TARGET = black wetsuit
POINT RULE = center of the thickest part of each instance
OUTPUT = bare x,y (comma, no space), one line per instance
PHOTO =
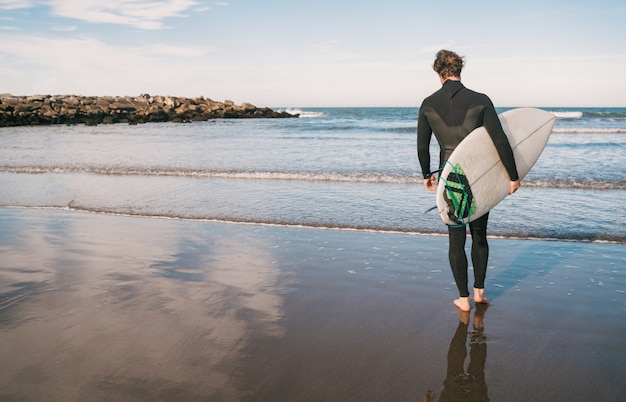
452,113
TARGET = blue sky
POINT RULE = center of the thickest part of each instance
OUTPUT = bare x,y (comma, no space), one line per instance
321,53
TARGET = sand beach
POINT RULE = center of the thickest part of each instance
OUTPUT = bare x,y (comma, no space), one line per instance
103,307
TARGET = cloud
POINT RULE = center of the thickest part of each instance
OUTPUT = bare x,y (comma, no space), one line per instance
7,27
142,14
63,54
33,64
68,28
173,51
15,4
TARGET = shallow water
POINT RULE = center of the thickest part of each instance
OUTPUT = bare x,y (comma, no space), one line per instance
333,167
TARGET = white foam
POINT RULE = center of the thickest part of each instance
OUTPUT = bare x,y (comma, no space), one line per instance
587,130
221,174
568,115
303,113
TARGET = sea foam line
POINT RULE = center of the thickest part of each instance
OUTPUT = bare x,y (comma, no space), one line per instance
221,174
588,130
336,177
71,207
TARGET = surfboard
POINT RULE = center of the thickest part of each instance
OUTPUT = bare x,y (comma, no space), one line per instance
474,180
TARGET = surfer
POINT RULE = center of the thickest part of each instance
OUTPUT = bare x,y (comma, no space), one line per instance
451,113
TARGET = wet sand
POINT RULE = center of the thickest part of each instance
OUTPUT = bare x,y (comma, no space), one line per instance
96,307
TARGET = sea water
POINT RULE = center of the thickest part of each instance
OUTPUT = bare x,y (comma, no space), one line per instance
339,168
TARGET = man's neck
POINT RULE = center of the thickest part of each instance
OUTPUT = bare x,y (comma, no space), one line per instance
451,78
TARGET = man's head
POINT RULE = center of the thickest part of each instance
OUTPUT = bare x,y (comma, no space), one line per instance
448,64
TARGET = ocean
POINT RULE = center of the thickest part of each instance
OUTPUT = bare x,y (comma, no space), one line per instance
335,168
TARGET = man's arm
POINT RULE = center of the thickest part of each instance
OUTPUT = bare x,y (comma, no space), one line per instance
501,142
424,134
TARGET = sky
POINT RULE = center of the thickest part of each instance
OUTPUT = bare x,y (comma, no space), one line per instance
319,53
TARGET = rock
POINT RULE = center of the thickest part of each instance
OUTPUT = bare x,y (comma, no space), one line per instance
92,110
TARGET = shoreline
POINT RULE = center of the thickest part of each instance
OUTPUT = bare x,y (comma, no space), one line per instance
103,307
311,227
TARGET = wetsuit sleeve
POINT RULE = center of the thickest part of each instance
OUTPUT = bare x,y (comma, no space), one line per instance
424,134
500,140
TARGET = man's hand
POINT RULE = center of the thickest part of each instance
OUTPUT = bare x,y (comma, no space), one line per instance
514,186
431,183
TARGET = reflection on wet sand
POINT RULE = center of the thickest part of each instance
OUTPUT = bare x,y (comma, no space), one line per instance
91,308
461,384
97,307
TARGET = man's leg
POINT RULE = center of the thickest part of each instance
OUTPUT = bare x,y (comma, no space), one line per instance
458,264
480,256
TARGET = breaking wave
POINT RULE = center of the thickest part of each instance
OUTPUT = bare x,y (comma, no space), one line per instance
319,176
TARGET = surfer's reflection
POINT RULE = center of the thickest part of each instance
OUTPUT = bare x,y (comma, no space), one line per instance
462,385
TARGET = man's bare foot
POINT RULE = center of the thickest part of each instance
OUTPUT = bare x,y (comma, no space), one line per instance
462,303
479,296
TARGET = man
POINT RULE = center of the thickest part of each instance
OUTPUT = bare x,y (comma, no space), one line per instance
451,113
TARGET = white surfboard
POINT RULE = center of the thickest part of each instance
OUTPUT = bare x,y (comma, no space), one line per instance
475,164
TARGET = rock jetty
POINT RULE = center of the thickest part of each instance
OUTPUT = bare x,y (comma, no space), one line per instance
92,110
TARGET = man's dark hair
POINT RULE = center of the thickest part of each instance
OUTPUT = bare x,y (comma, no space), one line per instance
448,64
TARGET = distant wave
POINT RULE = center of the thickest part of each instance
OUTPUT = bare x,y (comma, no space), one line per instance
411,129
575,184
588,130
350,128
607,114
568,115
590,114
320,176
304,113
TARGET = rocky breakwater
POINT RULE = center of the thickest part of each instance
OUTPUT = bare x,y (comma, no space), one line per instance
92,110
